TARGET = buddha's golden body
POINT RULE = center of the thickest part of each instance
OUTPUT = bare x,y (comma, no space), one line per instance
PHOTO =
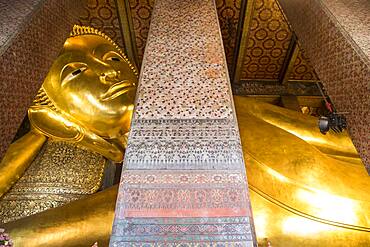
306,189
83,112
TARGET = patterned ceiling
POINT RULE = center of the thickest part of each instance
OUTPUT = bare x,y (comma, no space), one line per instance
269,56
268,47
141,11
102,15
268,42
302,69
228,14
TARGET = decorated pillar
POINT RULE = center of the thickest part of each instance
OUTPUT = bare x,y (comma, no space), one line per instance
184,181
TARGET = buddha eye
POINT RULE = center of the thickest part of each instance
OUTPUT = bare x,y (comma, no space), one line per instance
112,56
70,73
116,59
78,71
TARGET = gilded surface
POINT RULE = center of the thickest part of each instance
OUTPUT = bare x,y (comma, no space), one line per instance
16,161
34,31
61,172
88,94
302,193
84,107
307,189
79,223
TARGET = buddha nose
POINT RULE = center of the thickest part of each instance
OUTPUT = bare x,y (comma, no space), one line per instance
109,76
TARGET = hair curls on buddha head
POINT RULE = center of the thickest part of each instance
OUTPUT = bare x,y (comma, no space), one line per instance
42,98
84,30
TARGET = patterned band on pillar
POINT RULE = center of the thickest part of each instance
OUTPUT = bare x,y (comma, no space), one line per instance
184,182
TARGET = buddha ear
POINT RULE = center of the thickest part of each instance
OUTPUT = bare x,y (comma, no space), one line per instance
53,124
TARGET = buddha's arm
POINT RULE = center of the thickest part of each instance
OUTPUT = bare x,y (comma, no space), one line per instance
79,223
302,126
18,157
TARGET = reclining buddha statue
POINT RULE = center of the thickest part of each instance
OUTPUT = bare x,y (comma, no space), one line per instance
83,112
306,189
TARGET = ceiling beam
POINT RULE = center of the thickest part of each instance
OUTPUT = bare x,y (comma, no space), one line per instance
127,30
276,82
259,81
289,60
245,18
251,87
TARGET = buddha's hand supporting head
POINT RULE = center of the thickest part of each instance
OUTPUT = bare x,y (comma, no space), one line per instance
89,90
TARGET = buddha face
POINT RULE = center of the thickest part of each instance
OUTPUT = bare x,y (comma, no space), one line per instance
91,82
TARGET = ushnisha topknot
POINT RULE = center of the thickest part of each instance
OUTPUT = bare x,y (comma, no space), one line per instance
85,30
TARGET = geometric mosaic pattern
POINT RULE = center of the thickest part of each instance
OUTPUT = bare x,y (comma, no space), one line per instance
141,11
228,16
102,15
189,193
302,68
196,140
184,182
43,185
269,38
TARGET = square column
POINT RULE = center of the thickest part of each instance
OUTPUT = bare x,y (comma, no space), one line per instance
184,181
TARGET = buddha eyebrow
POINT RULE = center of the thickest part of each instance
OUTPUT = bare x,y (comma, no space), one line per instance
67,55
72,56
105,48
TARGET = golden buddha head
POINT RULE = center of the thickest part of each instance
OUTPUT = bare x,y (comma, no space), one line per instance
90,88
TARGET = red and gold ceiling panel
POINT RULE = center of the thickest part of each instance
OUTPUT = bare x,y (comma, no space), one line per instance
228,15
302,69
141,11
102,15
268,42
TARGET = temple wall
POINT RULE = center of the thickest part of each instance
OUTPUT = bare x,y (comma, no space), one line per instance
31,36
335,35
